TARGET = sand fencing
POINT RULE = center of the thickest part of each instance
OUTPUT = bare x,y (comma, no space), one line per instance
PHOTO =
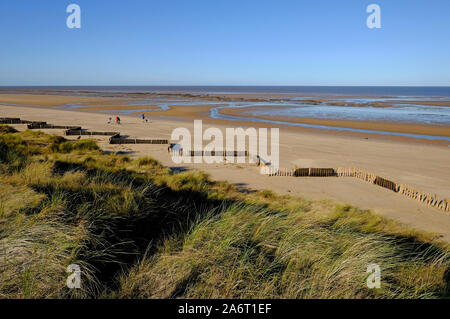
115,137
34,124
79,131
118,140
15,120
37,125
176,150
432,200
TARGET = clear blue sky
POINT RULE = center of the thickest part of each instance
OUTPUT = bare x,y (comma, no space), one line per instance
225,42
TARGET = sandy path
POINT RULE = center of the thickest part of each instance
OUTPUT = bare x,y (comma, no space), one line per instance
426,167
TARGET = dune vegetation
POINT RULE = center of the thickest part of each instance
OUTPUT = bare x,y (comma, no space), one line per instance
140,230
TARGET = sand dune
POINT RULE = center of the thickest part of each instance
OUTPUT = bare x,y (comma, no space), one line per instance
424,166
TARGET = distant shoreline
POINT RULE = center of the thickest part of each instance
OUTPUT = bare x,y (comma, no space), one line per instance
221,89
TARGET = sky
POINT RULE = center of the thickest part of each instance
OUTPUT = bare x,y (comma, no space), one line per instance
225,42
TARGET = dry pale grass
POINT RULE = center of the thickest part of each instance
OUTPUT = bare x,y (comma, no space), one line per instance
139,230
247,253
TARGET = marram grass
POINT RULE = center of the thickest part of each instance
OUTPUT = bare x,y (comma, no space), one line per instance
139,230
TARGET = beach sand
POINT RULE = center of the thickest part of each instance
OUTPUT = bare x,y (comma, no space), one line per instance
422,165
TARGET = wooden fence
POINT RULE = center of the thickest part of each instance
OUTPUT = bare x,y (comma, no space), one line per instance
10,120
118,140
301,172
322,172
84,132
34,124
15,120
181,152
44,125
429,199
77,131
380,181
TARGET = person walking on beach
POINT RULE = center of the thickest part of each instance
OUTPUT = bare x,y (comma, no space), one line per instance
143,117
117,120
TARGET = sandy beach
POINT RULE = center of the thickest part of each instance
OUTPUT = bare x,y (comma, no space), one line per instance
421,165
199,106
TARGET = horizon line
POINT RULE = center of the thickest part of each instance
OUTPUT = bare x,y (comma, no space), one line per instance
209,85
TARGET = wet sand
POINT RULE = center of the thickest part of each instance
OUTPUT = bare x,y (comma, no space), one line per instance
122,101
435,130
423,166
54,100
339,100
202,112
